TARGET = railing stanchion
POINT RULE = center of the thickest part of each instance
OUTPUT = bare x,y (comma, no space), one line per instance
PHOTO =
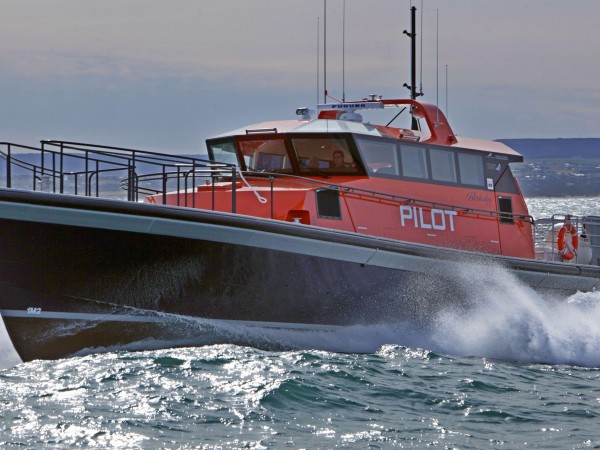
129,181
87,186
134,192
61,165
53,172
271,185
132,182
97,180
42,164
178,184
193,184
233,190
164,186
212,189
8,168
185,188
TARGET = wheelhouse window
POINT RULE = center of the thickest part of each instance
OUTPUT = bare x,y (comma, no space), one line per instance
431,164
327,154
443,167
265,155
414,162
471,169
223,152
380,157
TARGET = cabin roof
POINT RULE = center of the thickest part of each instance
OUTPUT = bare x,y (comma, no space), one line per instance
486,146
307,126
281,126
344,126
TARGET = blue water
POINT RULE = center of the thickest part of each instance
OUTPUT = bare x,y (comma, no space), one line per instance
516,370
239,397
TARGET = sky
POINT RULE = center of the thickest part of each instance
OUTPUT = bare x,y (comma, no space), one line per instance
164,75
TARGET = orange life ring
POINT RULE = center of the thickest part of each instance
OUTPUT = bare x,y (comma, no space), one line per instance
567,250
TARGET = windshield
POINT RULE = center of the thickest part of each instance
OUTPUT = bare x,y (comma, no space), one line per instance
266,155
324,155
310,154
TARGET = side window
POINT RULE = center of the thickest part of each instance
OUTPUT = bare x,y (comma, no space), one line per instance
506,183
443,167
223,152
414,162
471,169
328,204
380,157
265,154
505,208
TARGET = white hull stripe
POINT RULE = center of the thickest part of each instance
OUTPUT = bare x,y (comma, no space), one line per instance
80,316
166,319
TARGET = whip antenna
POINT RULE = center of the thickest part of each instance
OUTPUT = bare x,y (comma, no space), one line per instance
437,64
447,92
318,56
344,52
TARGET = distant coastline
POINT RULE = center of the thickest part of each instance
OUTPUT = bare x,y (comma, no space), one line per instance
557,167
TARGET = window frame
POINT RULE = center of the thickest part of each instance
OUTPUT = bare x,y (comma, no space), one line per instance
396,155
481,167
217,141
454,155
351,147
425,150
262,137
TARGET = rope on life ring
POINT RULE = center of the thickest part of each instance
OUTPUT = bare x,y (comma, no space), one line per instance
567,248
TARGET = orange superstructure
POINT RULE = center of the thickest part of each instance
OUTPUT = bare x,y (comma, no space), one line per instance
337,172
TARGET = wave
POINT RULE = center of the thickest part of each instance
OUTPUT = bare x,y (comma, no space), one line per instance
502,318
508,320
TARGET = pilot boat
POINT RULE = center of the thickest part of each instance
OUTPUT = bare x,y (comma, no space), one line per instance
316,223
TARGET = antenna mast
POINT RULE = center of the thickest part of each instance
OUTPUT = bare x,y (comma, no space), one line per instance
413,62
421,53
324,51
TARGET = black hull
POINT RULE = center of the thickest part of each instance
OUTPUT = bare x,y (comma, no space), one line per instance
80,274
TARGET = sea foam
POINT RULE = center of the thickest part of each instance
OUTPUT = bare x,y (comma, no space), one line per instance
508,320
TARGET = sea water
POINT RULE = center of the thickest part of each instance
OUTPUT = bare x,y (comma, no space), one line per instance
516,370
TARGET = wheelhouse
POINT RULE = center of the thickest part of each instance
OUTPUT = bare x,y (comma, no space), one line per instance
314,151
